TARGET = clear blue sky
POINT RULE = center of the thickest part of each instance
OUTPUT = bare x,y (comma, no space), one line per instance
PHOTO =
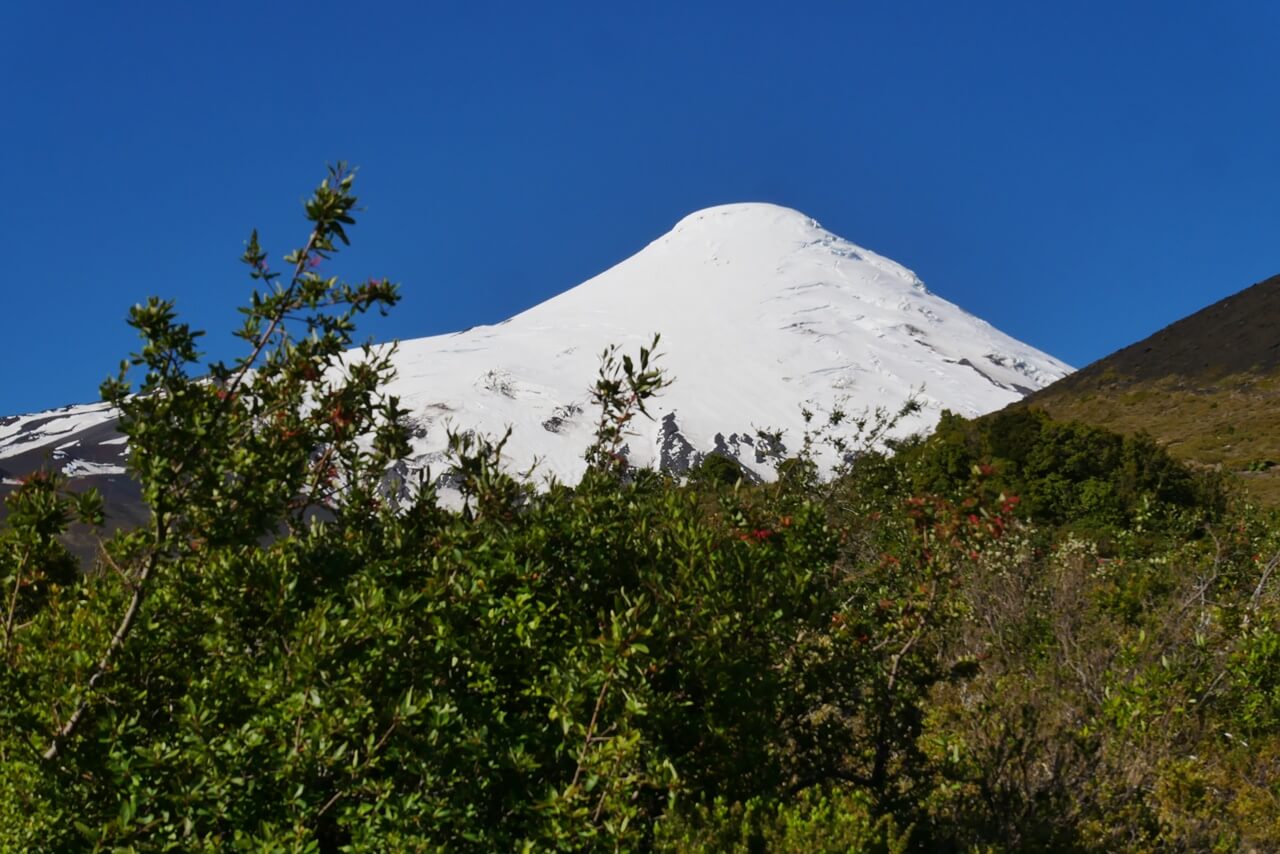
1079,174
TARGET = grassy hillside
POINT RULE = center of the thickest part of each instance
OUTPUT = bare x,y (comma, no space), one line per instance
1208,387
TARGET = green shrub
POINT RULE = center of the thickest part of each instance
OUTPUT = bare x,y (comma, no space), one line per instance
717,470
813,821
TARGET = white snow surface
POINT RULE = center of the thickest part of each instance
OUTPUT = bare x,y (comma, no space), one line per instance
52,427
762,313
80,468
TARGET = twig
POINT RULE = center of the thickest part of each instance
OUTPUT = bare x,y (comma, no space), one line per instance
1253,606
117,640
265,337
395,722
591,728
1262,582
897,659
1212,685
604,792
13,604
124,576
911,641
307,499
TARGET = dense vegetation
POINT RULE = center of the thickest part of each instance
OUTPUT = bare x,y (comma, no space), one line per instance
1014,634
1218,422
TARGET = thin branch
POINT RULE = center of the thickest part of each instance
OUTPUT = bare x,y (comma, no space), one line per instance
308,498
604,791
915,636
1212,686
13,604
265,337
1071,649
591,728
124,576
337,796
897,659
117,641
1262,582
1253,606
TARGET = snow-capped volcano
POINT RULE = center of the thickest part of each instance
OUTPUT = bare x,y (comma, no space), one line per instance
762,313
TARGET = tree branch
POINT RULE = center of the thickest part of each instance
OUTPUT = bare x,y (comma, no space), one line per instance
265,337
13,605
117,640
591,728
1262,582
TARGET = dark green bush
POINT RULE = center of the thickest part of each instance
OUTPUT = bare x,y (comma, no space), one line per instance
813,821
717,470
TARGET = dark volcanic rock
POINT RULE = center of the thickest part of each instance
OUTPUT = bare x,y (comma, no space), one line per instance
769,447
675,454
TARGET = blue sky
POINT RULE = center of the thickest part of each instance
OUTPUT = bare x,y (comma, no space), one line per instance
1079,174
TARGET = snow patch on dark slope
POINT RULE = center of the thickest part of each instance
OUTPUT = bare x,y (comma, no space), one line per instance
762,313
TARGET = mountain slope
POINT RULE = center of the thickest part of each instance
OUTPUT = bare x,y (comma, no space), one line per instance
1208,386
762,313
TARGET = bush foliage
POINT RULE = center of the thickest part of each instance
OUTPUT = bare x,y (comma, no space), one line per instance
1012,635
